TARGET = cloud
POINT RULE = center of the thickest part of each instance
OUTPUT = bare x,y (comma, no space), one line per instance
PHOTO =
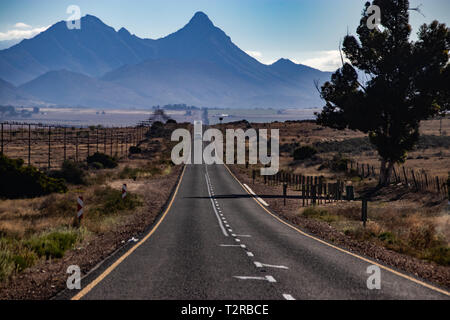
21,32
254,54
324,60
21,25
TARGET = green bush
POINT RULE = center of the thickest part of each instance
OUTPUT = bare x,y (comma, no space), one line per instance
129,173
440,255
71,172
18,181
304,153
112,202
339,163
97,165
388,237
24,260
135,150
53,244
7,265
104,159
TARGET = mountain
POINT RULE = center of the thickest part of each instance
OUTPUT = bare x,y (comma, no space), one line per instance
64,87
94,49
11,95
198,64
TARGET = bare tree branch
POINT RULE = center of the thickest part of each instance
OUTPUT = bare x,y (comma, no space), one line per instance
417,9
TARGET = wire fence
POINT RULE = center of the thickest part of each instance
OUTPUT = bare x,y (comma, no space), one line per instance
47,146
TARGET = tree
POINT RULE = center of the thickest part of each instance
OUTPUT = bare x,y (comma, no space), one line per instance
407,82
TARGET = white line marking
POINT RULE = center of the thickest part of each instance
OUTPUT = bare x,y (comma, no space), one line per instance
230,245
267,278
243,246
237,240
260,265
250,254
288,296
231,230
215,211
233,235
244,235
254,194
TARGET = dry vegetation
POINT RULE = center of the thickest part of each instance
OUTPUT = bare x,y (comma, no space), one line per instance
401,220
38,230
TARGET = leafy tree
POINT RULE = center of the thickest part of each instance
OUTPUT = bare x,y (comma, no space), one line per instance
19,181
407,82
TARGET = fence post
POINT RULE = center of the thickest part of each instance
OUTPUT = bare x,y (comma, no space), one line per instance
303,194
414,180
104,140
314,194
49,145
88,143
111,142
29,144
364,212
76,145
65,146
395,174
97,140
1,150
350,195
438,187
404,174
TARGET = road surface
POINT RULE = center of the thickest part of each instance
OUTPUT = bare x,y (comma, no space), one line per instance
216,241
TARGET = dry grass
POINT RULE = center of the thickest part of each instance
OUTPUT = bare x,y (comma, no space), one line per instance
50,221
403,226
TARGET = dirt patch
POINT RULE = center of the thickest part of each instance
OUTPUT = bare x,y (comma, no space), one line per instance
423,269
47,278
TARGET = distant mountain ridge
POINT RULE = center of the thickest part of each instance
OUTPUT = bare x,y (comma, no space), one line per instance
97,66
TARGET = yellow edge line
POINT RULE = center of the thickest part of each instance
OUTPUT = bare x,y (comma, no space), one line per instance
105,273
340,249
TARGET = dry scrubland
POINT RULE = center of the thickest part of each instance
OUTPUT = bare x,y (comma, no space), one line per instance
39,235
407,229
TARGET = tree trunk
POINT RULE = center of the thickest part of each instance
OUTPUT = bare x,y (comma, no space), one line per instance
385,173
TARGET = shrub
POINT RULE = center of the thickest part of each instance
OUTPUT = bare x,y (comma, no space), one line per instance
71,172
422,237
104,159
304,153
97,165
135,150
112,202
439,254
129,173
24,260
53,244
387,237
25,182
339,163
6,264
58,206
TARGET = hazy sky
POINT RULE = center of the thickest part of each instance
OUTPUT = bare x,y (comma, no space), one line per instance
306,31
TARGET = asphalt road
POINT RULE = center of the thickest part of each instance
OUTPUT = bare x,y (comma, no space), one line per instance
217,242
